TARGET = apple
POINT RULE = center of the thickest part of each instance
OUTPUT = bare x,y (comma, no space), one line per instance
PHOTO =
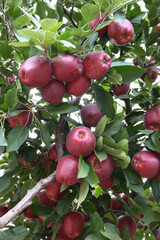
27,163
53,92
96,64
158,176
121,89
151,72
3,210
120,34
102,169
136,63
53,154
101,32
158,235
146,163
67,170
67,67
125,198
11,79
158,27
127,221
35,72
73,223
43,198
90,115
114,204
53,191
28,213
79,86
106,183
24,118
152,119
61,234
41,219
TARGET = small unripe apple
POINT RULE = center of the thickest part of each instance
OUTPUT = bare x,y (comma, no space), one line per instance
3,210
102,169
152,73
53,92
127,221
79,86
158,27
106,183
73,223
121,89
96,64
152,119
120,34
35,72
67,67
80,141
24,118
98,20
114,204
53,191
90,115
146,163
67,170
28,213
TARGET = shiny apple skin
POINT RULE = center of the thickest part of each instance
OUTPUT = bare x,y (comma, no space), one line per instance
101,32
35,72
121,89
120,34
158,27
152,119
152,73
114,204
53,191
80,141
146,163
96,64
67,67
107,183
127,221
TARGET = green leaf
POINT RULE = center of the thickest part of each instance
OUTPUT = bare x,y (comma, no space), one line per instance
21,21
153,142
111,231
99,144
40,210
113,127
155,189
17,233
29,184
67,44
12,160
83,168
94,237
11,98
45,135
16,138
62,108
101,126
104,101
96,228
83,191
63,205
134,180
33,19
92,177
48,23
101,155
31,33
89,12
5,181
149,215
3,141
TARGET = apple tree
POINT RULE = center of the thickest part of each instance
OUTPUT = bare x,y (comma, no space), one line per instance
79,119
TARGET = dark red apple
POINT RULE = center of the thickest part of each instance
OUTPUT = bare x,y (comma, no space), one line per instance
158,176
53,92
61,235
73,223
114,204
106,183
120,34
43,198
102,169
53,191
121,89
67,67
90,115
127,221
136,63
152,73
28,213
3,210
24,118
41,219
96,64
79,86
80,141
152,119
53,154
35,72
27,163
125,198
146,163
67,170
158,27
98,20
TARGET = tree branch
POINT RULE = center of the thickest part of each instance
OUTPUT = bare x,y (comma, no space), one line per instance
26,201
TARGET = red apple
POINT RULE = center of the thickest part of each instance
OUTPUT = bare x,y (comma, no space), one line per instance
102,169
53,92
158,176
152,119
73,223
106,183
96,64
61,235
136,63
43,198
53,154
35,72
98,20
127,221
90,115
28,213
67,170
41,219
114,204
3,210
120,34
53,191
152,73
125,198
27,163
79,86
158,27
67,67
146,163
121,89
24,118
80,141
